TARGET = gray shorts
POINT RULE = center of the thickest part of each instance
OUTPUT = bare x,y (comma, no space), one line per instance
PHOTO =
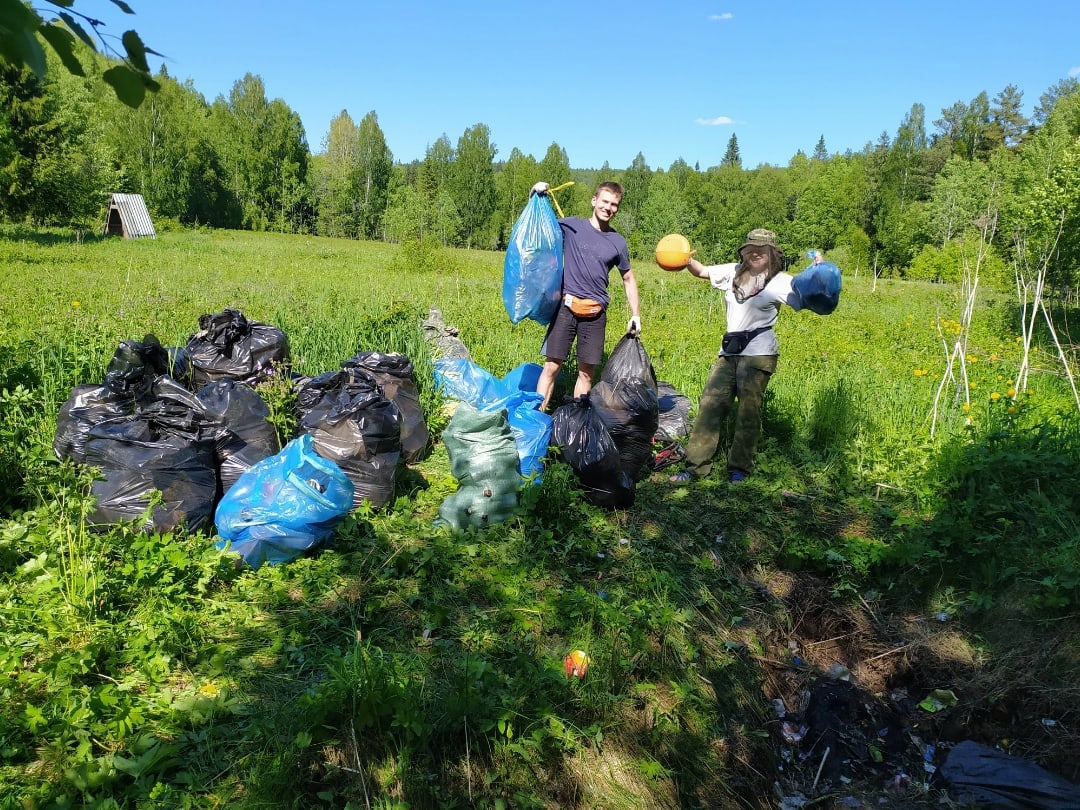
565,327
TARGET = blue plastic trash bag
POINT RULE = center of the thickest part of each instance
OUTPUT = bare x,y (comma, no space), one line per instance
462,379
284,505
819,287
532,434
533,268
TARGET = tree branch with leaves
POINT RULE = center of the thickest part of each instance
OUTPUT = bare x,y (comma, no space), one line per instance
21,25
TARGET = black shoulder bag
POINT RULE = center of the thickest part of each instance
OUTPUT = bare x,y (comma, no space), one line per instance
735,342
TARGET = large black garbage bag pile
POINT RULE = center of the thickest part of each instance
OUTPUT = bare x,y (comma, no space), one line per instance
626,400
484,460
229,346
355,425
585,444
245,435
167,444
130,377
395,373
977,775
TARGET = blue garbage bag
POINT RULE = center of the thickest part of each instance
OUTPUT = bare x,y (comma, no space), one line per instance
819,287
533,268
284,505
465,381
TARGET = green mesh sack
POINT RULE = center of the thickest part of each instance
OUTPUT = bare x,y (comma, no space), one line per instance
484,460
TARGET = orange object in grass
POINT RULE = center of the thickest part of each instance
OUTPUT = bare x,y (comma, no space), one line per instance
673,252
576,664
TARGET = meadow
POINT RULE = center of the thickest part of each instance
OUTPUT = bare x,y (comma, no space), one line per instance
928,516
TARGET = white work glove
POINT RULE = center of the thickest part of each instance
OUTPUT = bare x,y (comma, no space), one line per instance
633,326
540,188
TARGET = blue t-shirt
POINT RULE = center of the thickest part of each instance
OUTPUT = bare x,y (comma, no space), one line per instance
588,256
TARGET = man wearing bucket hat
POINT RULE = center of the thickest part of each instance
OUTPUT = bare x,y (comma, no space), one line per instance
755,288
591,248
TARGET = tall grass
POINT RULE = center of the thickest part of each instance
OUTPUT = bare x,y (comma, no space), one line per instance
412,666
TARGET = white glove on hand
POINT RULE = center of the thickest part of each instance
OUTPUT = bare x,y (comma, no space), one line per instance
633,326
540,188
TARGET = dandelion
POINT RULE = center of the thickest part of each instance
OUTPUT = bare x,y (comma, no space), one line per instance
920,372
74,304
973,385
995,396
972,358
1012,409
210,690
1000,376
965,407
1011,392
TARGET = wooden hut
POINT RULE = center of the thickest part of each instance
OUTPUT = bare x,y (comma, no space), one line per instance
127,216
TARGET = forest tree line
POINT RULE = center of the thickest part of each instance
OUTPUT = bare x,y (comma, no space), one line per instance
979,183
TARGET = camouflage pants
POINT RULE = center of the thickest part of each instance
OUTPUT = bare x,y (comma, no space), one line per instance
741,378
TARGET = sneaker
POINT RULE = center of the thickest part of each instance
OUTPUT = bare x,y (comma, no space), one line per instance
681,478
738,476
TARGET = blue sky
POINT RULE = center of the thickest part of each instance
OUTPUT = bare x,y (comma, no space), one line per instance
609,80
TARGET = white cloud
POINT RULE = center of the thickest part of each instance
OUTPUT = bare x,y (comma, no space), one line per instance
1074,71
727,15
719,121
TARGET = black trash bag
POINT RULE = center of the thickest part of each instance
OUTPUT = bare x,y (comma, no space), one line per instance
144,356
394,372
245,436
674,416
179,367
88,405
166,445
229,346
630,411
982,776
356,426
130,377
629,361
484,460
585,444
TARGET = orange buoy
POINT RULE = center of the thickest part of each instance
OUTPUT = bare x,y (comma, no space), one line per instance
673,252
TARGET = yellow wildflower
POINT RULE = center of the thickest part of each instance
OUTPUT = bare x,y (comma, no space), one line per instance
1012,409
966,407
995,395
74,304
1011,392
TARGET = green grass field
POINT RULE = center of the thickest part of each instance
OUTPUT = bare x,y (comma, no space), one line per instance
410,666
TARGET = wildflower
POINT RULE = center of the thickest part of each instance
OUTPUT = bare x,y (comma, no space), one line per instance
972,358
973,385
995,395
74,304
1012,409
966,407
1000,376
920,372
1011,392
210,690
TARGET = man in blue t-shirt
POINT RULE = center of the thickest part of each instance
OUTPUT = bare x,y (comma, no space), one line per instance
591,248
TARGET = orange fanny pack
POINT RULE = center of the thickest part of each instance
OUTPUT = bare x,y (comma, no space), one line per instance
582,307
